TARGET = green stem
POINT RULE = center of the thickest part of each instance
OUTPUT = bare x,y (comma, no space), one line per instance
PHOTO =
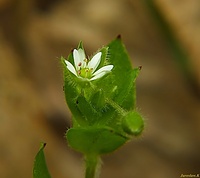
118,108
92,166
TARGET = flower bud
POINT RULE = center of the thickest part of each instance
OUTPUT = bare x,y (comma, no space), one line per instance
133,123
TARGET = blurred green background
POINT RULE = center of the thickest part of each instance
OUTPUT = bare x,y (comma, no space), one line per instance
161,36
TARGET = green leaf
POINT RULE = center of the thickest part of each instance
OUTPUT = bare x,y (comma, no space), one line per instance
40,169
127,97
94,140
116,86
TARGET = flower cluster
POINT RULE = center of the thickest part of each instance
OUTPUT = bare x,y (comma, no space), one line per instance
86,69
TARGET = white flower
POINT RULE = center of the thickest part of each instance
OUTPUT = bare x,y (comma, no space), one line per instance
86,69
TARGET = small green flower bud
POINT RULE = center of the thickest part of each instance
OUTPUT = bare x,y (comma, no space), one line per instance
133,123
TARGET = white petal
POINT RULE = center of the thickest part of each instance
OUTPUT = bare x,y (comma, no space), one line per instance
95,61
79,56
71,68
82,57
106,69
98,76
77,59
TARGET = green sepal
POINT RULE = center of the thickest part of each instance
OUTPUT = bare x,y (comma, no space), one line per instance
87,110
98,99
40,169
104,57
71,95
95,140
80,45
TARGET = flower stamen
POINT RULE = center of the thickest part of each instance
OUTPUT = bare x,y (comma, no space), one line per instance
86,60
85,68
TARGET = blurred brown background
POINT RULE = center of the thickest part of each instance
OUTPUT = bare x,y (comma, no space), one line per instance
161,35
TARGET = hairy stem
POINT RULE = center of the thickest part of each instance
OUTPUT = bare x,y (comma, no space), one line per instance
118,108
92,163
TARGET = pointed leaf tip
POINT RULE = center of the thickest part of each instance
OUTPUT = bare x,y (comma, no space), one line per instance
80,45
43,144
40,169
